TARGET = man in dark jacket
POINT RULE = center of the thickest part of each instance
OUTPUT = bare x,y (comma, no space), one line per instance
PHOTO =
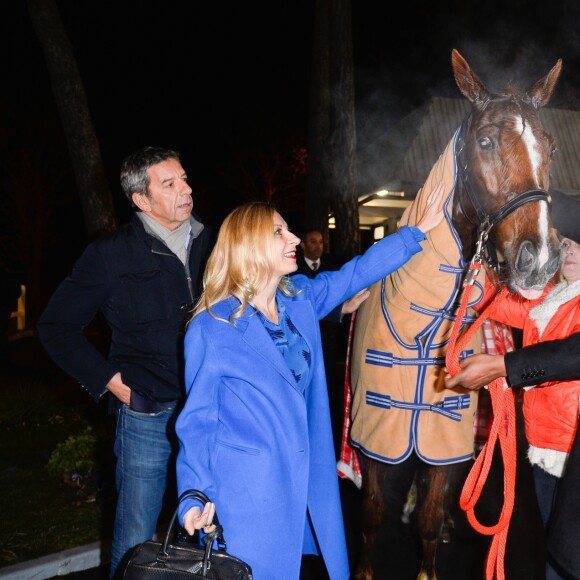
564,528
144,279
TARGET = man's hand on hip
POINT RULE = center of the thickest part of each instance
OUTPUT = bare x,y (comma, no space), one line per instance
120,389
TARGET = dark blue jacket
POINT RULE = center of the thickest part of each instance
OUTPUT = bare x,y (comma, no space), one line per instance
145,294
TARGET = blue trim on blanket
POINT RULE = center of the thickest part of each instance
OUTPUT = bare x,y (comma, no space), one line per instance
449,206
423,344
441,314
407,454
446,407
451,269
387,359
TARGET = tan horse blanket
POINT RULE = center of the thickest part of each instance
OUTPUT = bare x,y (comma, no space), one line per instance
399,402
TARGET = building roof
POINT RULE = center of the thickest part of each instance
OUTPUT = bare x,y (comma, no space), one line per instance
402,158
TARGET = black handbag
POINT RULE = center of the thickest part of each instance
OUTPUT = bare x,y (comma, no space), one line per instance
154,560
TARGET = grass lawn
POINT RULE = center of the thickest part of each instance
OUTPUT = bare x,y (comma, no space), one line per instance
41,513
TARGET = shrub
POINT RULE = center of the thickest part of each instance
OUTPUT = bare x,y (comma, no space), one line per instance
75,460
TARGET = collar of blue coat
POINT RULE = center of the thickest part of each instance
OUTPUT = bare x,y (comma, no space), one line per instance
227,307
257,337
300,311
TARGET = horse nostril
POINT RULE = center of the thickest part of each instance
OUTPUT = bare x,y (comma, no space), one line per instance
526,257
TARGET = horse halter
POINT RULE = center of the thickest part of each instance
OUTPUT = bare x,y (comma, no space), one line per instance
488,220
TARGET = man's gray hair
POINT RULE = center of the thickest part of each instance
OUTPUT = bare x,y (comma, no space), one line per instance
134,176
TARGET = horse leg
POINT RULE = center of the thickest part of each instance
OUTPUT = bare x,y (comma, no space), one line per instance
432,513
373,511
440,488
384,491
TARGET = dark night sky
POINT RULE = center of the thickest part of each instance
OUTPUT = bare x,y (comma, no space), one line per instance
213,78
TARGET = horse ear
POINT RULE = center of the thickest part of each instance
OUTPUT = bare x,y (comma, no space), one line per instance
468,82
542,91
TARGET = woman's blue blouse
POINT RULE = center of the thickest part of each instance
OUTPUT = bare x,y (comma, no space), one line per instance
291,345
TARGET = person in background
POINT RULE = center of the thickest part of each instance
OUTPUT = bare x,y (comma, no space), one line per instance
255,433
144,279
312,258
311,261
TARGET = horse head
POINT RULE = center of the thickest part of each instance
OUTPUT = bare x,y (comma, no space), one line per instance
504,155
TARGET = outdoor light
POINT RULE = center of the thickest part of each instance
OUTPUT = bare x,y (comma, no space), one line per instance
384,192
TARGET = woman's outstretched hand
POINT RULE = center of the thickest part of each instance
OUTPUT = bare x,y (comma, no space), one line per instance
433,209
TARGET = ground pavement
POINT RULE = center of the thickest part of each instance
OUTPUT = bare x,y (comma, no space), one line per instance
397,559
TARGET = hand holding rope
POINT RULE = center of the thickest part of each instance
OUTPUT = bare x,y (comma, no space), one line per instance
503,427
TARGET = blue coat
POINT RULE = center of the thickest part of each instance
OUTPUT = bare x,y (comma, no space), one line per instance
253,442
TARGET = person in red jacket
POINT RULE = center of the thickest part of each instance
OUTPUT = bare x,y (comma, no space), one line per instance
550,412
547,360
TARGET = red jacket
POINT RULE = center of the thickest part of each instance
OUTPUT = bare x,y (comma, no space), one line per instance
550,409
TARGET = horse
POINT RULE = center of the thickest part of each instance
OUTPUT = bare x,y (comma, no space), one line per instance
408,429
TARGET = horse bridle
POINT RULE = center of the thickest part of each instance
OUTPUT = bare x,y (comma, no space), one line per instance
488,220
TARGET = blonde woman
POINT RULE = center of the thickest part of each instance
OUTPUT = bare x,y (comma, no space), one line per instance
255,433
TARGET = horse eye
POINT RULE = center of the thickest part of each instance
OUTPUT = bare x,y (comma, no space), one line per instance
485,143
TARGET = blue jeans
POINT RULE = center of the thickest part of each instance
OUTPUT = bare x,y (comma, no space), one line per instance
143,447
546,486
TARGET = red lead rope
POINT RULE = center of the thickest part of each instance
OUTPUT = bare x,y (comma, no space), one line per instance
503,426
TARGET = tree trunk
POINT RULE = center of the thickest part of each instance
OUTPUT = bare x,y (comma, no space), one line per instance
94,190
318,176
332,129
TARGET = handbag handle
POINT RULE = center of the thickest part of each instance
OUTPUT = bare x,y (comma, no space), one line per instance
208,538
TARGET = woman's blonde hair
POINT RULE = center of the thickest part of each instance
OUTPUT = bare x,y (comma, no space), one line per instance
242,259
